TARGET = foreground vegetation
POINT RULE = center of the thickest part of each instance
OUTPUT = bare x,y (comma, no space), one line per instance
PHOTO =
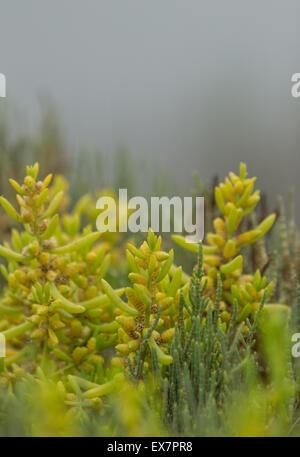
108,336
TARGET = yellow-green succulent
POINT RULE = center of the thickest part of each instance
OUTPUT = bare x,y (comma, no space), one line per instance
235,199
53,296
147,319
167,353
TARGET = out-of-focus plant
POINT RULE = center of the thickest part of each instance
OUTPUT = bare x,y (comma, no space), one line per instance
38,407
284,262
266,408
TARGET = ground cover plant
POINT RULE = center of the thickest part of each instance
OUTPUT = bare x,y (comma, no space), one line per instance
107,336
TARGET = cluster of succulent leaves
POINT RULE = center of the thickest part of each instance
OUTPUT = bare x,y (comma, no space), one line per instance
53,311
167,354
236,200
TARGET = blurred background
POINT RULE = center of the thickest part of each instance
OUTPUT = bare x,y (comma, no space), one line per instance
141,94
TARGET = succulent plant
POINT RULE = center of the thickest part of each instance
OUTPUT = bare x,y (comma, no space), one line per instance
221,255
180,354
146,321
53,297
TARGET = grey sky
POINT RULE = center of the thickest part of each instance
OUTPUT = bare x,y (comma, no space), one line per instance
195,84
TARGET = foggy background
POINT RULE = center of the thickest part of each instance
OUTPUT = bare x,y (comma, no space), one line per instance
189,85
